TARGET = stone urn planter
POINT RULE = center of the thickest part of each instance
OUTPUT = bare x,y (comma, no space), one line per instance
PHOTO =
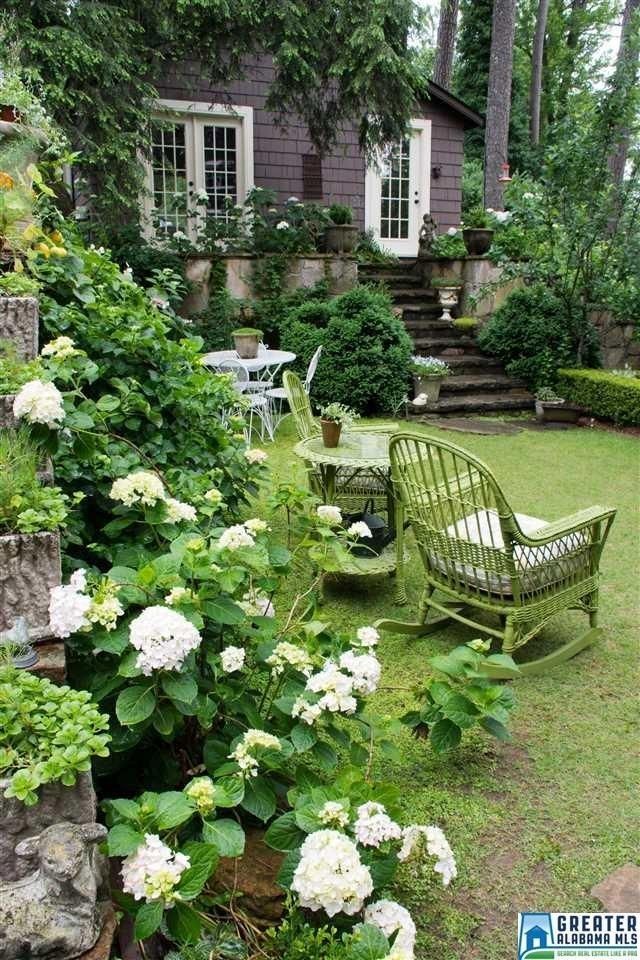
448,298
477,240
557,411
29,568
247,342
19,324
331,430
340,238
426,388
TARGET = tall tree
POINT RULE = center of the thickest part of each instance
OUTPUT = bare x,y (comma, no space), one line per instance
625,75
503,26
446,42
535,89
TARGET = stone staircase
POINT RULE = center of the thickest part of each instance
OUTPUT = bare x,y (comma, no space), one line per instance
478,383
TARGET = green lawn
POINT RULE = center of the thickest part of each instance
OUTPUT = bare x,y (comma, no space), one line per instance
535,823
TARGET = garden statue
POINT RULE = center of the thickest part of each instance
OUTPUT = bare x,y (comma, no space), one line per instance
53,913
428,233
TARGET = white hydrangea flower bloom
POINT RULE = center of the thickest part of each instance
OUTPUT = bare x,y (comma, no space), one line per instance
288,654
252,740
164,638
292,200
282,225
329,514
106,611
365,669
179,235
480,646
437,845
330,875
142,486
153,871
391,918
336,687
334,814
69,606
61,348
359,529
178,595
178,511
232,658
235,537
202,196
307,712
374,825
255,455
213,496
256,603
451,232
368,636
201,791
39,402
256,525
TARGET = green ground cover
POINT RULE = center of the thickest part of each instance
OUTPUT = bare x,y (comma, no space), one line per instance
537,822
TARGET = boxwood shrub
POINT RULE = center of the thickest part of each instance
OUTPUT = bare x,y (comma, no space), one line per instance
603,394
366,349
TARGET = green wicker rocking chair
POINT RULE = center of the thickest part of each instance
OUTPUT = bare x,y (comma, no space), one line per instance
352,491
480,556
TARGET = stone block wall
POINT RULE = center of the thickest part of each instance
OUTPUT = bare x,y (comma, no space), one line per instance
483,290
619,347
19,324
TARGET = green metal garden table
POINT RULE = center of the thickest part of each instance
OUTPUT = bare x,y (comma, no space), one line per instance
360,452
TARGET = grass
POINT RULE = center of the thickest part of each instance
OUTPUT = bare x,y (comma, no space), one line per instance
537,822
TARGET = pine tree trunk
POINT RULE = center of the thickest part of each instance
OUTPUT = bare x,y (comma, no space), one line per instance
446,42
535,90
503,25
626,72
573,34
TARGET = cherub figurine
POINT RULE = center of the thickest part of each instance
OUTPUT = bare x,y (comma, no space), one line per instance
427,234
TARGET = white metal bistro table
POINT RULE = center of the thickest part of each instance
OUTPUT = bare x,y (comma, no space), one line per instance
266,365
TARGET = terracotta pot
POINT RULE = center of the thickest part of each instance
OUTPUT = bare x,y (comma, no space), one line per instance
557,411
477,240
340,238
9,114
429,385
246,346
330,432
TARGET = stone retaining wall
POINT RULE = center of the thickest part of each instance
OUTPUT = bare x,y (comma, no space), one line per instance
474,273
19,324
619,348
341,274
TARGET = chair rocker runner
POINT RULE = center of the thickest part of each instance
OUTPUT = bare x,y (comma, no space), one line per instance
483,557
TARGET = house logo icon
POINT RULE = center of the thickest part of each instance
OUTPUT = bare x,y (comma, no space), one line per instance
535,933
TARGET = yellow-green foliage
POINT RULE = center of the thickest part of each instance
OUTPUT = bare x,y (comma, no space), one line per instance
603,393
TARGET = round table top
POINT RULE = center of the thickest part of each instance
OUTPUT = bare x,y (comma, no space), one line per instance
357,448
266,358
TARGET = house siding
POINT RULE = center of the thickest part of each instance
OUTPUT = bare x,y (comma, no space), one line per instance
278,154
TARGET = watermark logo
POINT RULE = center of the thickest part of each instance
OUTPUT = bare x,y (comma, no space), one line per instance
580,936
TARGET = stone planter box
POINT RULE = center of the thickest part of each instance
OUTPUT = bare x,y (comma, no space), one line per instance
57,803
7,419
19,323
554,411
340,238
29,568
340,273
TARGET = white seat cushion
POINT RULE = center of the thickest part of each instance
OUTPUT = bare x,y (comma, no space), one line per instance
483,527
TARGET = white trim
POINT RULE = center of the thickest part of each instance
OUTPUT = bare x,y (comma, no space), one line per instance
420,191
194,113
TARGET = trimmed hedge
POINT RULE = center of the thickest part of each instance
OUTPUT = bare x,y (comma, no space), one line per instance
603,394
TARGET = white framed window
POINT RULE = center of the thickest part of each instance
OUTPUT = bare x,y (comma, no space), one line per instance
196,148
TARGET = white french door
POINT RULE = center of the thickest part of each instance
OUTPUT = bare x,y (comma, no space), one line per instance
397,191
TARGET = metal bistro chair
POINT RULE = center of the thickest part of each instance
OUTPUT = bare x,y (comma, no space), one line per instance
479,554
257,403
278,395
353,491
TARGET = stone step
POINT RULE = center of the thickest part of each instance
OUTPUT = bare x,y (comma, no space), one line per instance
483,402
398,279
470,364
422,326
479,383
416,311
401,295
427,345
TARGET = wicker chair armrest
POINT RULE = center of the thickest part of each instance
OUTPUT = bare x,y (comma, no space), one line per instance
567,525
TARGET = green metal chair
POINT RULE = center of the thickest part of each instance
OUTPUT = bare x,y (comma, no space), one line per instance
354,490
484,558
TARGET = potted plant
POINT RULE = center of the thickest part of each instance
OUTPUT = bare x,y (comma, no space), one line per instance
30,517
45,761
428,374
466,324
247,342
448,290
333,418
477,232
550,408
340,235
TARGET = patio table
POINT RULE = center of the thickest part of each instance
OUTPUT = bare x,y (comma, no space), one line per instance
361,451
266,364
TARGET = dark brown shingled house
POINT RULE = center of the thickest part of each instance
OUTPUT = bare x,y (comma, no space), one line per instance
223,141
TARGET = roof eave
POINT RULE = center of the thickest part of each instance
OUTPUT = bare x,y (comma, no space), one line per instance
471,117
